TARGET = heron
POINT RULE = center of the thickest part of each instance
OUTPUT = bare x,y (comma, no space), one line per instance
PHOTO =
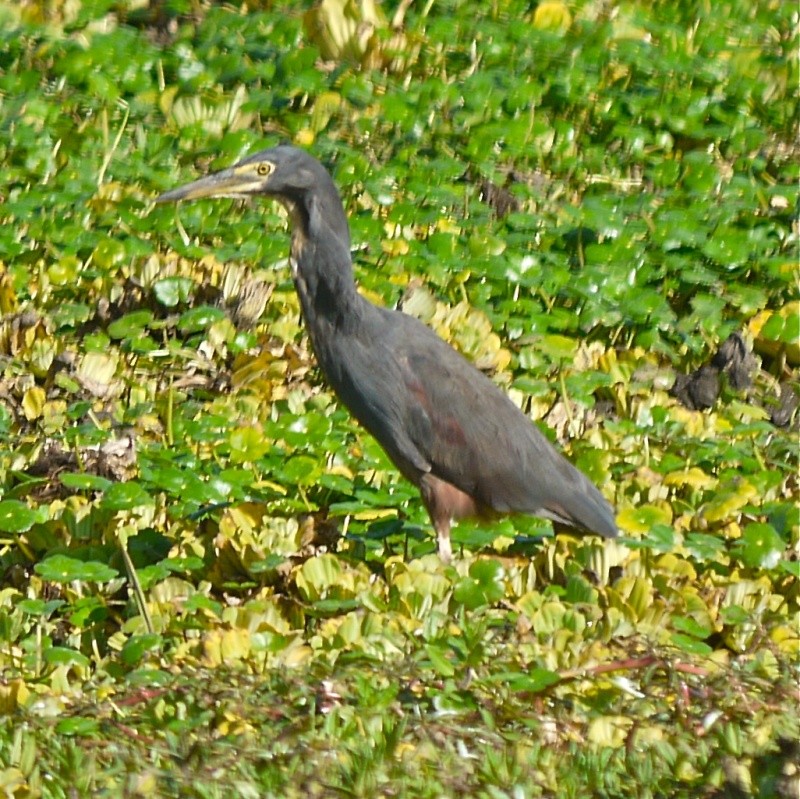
445,425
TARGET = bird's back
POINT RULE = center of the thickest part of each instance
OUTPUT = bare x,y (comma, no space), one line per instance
434,412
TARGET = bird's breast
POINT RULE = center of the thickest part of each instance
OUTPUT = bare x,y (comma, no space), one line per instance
298,246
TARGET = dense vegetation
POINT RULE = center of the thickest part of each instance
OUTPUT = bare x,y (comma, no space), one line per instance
213,583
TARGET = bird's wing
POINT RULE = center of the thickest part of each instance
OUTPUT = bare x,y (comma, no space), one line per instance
473,436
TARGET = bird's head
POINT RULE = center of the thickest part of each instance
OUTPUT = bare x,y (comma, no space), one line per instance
283,173
295,179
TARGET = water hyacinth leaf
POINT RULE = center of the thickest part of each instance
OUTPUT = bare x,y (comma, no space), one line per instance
438,655
64,656
705,547
84,482
484,586
791,567
33,402
137,646
38,607
197,319
534,681
64,569
172,291
16,516
690,645
247,444
644,518
317,575
760,546
268,564
125,496
131,325
109,253
78,726
301,470
557,348
688,625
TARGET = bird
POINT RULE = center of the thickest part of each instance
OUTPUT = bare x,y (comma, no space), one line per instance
444,424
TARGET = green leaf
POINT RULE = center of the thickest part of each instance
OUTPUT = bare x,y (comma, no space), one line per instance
137,646
438,656
644,518
484,585
533,681
38,607
78,726
64,569
87,610
196,319
301,470
557,348
690,645
84,482
760,547
705,547
661,538
125,496
172,291
269,564
248,444
686,624
16,517
63,656
791,567
131,325
318,574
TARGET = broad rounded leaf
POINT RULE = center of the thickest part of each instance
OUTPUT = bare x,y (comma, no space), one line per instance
84,482
248,444
643,518
124,496
173,290
130,325
760,547
197,319
64,569
16,516
64,656
138,646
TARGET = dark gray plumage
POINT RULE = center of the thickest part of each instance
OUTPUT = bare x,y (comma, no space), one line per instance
445,425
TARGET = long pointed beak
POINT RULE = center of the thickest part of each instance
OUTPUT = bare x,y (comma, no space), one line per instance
227,183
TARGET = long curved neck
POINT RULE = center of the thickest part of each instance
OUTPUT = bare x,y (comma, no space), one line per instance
322,268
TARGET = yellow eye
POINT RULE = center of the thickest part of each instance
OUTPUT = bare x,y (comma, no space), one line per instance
264,168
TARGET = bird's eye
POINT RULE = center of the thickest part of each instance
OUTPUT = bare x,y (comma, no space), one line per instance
264,169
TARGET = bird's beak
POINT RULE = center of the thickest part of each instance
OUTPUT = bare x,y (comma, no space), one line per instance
233,182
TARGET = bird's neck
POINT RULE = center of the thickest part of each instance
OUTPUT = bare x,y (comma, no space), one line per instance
323,277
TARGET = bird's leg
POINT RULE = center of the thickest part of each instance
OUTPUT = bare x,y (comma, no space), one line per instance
442,527
444,502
